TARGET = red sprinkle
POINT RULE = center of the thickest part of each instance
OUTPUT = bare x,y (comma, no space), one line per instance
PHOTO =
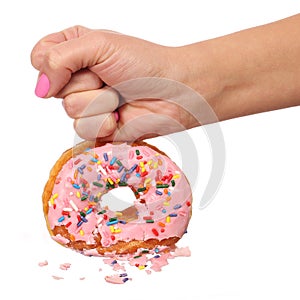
162,230
188,203
112,237
65,213
155,232
69,224
77,161
143,174
139,157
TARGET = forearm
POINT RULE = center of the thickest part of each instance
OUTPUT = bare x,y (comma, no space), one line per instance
251,71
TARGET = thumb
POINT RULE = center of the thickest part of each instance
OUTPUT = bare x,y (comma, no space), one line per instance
62,60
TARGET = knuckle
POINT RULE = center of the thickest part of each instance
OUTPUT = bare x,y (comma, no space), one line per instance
108,126
53,58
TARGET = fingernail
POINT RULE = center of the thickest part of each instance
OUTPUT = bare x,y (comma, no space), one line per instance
117,116
42,86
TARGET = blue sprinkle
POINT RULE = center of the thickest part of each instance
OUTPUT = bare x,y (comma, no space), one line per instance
113,160
112,222
61,219
169,193
105,156
156,256
99,177
80,170
138,175
79,223
158,192
85,193
114,262
173,215
156,250
123,177
76,186
164,211
91,197
89,211
93,159
122,222
120,169
177,206
125,279
84,219
82,166
123,275
132,168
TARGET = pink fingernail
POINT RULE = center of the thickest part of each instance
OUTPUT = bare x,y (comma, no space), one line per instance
42,86
117,116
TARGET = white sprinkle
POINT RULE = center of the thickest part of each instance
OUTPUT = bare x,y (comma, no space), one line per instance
100,169
73,205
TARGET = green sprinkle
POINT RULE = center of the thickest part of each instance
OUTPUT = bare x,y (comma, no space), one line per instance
102,212
82,214
137,151
138,256
162,186
141,189
145,251
113,219
149,221
173,182
97,184
119,163
122,183
84,198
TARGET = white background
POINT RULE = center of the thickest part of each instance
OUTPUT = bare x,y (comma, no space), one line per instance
245,244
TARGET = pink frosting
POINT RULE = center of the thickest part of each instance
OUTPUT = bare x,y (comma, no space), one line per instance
162,206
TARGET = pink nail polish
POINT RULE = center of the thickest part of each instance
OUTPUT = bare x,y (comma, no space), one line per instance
117,116
42,86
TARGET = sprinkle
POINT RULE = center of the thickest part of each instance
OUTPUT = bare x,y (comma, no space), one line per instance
132,168
97,184
105,156
84,219
137,151
100,168
155,232
78,195
110,181
119,163
173,215
161,224
122,222
102,212
121,183
150,221
77,161
139,157
61,219
79,223
113,160
81,232
188,203
158,192
120,169
123,177
164,211
168,219
68,224
162,186
177,206
76,186
176,176
173,182
89,211
54,196
99,177
141,189
83,198
73,205
112,222
125,279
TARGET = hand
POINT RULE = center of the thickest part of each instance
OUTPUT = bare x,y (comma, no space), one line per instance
113,85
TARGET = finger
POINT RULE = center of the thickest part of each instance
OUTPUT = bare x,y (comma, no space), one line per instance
64,59
90,128
91,103
47,42
80,81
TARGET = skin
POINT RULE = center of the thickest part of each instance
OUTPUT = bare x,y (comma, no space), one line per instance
243,73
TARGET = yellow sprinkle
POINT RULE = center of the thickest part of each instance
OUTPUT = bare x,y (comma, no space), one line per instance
166,203
99,162
168,219
150,162
81,232
112,229
117,230
156,154
141,267
143,169
99,194
78,194
51,201
142,164
147,180
118,214
118,180
55,196
155,165
75,174
175,176
110,181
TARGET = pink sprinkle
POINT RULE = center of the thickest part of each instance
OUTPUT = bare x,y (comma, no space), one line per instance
65,266
57,277
43,263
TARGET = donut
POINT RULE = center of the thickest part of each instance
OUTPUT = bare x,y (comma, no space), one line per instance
78,218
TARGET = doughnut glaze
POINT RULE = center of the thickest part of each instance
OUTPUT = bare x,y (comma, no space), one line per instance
77,217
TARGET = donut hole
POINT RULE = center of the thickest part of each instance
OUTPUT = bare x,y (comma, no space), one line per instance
122,200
